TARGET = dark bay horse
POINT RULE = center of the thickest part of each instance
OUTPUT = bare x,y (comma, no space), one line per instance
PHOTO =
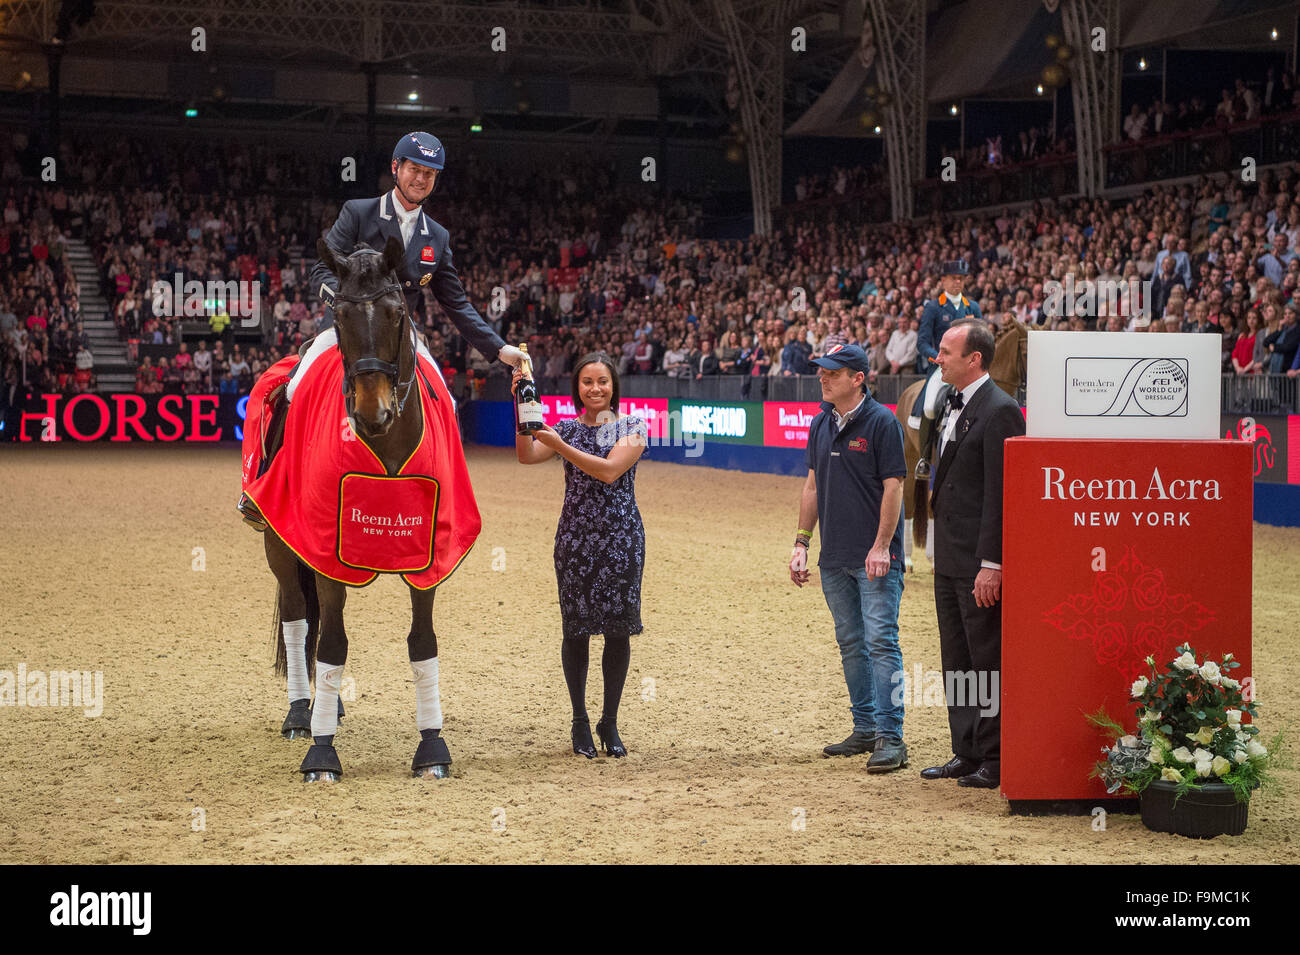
377,344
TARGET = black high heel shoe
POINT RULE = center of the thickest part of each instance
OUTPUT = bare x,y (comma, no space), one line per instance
607,730
583,745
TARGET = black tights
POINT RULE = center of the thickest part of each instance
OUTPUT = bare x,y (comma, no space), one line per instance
613,666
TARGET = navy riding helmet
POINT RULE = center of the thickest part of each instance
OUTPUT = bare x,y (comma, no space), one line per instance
421,148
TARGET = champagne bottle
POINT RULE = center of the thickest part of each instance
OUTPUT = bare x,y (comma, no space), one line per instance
528,408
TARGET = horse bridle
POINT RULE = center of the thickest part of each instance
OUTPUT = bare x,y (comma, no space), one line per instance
372,363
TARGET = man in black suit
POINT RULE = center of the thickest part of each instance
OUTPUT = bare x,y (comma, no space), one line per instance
967,503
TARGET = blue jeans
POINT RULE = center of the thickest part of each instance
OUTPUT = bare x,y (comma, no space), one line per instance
866,628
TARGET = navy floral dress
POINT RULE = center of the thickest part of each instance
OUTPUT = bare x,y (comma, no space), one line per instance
600,543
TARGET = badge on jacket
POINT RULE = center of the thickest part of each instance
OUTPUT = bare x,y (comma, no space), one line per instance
424,279
858,444
426,254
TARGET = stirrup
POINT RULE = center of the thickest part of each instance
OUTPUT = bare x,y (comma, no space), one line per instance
251,515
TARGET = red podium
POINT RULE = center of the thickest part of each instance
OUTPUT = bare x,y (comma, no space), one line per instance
1113,550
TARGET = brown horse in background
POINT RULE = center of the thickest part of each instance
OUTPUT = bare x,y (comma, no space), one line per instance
1009,371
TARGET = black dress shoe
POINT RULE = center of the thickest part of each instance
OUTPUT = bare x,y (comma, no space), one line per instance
986,777
955,768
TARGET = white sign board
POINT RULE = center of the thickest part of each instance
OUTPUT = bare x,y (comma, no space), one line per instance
1123,385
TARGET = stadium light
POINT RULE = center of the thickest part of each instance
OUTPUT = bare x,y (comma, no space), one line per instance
1272,34
476,127
1040,89
1142,63
877,130
953,109
191,112
413,96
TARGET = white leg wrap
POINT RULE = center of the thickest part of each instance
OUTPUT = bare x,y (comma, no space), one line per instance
929,543
321,344
428,704
907,538
325,711
295,651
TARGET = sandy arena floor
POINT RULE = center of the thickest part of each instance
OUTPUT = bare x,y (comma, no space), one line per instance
735,687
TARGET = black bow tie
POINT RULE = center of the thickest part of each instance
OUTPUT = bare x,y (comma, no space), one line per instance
956,401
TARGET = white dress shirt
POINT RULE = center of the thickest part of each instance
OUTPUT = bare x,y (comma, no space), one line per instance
405,219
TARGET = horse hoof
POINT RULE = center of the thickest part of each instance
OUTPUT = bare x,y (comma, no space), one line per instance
432,757
298,723
907,566
321,764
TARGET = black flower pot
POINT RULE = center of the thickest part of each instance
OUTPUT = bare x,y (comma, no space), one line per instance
1202,813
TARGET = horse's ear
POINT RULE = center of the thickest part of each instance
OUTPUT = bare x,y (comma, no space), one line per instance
394,253
326,255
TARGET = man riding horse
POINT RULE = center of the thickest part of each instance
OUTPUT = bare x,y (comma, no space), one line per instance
937,318
418,160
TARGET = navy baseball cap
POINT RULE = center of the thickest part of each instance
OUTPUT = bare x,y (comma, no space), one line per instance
845,356
421,148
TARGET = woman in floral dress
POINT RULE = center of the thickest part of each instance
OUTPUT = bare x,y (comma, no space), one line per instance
600,542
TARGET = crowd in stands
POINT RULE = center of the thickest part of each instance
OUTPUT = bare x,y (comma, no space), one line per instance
1245,102
581,265
43,343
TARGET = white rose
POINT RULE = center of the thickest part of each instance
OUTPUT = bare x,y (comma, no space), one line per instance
1210,672
1203,735
1234,717
1151,661
1128,742
1203,768
1239,756
1229,684
1156,756
1202,755
1171,775
1139,687
1221,766
1227,657
1182,754
1255,749
1186,662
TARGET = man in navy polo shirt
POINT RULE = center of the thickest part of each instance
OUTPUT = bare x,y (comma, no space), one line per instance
855,489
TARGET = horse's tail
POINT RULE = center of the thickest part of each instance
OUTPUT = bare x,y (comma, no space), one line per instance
920,510
307,581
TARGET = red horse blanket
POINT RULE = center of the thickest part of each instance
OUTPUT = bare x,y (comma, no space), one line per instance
328,497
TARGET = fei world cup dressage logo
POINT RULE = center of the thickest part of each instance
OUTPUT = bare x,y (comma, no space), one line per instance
1126,387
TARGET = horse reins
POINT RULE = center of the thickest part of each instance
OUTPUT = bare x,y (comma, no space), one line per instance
372,363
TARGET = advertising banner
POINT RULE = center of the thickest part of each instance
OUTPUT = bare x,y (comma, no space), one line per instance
1112,551
722,422
785,423
128,417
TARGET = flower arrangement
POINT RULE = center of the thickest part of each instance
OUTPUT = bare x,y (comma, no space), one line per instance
1190,731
